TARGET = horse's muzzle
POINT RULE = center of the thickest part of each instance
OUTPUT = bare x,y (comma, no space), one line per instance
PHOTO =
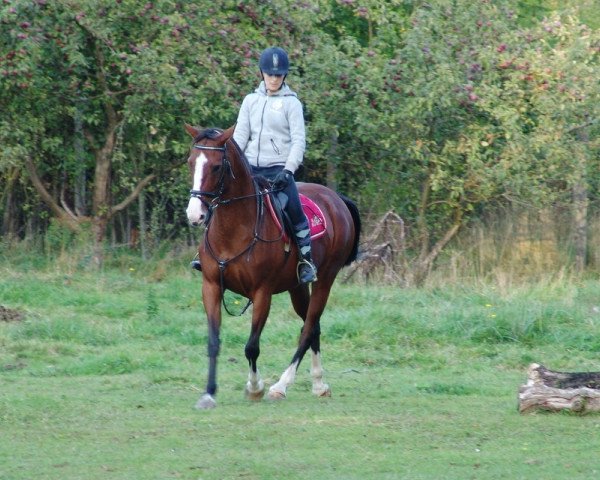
196,211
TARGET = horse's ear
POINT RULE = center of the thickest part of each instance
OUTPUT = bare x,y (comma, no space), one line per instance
192,131
228,133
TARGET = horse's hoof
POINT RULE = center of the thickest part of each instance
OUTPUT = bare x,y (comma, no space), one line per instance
254,396
206,402
323,392
276,395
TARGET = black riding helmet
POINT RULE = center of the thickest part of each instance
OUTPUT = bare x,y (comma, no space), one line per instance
274,61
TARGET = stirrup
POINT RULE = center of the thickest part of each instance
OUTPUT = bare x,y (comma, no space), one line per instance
306,275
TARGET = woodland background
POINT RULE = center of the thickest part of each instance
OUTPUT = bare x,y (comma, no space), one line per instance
466,131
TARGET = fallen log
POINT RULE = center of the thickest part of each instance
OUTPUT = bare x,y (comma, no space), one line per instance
545,389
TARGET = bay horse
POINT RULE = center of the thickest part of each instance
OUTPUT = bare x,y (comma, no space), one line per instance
244,250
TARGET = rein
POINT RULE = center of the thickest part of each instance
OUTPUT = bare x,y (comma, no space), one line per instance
215,202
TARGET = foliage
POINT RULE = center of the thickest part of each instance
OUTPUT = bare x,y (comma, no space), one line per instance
436,110
466,113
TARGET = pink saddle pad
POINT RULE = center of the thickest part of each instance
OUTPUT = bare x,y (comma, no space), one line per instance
314,215
316,219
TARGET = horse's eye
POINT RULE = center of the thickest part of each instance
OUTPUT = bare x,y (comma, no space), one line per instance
215,168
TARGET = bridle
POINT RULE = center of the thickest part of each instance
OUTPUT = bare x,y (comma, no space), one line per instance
215,195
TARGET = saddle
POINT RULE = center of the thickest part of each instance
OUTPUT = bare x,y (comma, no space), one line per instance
316,220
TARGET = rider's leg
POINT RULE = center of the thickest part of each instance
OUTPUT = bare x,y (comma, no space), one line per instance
307,272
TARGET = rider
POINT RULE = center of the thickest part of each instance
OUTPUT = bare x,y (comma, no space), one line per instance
270,131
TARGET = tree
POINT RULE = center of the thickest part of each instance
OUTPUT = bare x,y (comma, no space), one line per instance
567,95
464,115
125,76
436,110
127,71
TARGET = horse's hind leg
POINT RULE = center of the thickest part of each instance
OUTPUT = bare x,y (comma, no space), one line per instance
319,388
309,308
300,297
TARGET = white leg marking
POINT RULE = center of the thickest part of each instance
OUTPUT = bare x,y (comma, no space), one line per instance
278,391
316,370
206,402
255,387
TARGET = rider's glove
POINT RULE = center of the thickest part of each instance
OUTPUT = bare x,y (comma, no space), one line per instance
282,179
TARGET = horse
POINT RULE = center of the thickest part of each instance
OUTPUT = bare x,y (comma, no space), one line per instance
244,250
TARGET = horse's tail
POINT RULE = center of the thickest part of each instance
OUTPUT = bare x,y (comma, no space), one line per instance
357,227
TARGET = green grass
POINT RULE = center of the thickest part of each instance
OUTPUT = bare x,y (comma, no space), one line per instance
98,381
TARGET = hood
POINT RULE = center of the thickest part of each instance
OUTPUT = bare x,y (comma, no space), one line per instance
284,91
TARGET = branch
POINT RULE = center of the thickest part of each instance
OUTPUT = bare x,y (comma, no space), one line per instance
72,223
133,195
441,243
111,114
113,118
426,258
91,140
139,187
63,202
583,125
87,28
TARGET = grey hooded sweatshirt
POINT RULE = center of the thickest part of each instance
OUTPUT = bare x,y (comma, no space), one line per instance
270,128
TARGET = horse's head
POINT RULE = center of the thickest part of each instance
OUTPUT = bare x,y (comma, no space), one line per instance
209,167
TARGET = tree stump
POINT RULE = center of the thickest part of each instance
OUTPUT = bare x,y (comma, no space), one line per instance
578,392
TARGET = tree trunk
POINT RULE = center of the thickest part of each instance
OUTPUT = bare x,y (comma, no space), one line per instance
580,207
556,391
331,164
10,219
100,202
143,225
80,180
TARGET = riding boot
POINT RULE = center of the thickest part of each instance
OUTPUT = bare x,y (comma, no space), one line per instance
196,265
307,271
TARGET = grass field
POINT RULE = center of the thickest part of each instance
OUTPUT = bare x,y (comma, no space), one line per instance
99,376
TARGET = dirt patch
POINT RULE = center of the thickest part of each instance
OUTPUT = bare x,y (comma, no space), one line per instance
10,315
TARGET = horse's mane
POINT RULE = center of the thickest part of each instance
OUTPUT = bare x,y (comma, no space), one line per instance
210,133
242,156
262,182
213,133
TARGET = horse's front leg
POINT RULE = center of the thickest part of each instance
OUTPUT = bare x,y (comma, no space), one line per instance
255,387
211,297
